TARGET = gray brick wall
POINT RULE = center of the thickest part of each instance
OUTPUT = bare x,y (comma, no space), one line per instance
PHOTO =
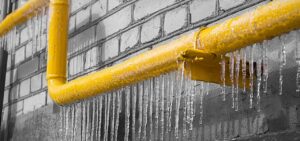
106,32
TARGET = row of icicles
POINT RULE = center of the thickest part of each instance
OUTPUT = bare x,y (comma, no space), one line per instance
35,32
165,107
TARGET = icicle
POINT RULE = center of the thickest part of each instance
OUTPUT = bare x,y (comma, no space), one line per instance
298,62
127,113
207,87
112,125
83,121
231,69
282,64
67,110
119,103
244,68
156,102
237,74
251,71
223,76
93,120
134,93
61,118
145,109
265,67
107,110
201,103
101,115
185,108
178,98
258,77
192,106
162,100
171,93
140,101
73,121
151,109
87,128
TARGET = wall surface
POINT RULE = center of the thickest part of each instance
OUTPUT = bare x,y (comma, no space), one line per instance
106,32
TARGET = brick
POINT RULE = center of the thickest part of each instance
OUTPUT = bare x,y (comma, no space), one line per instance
28,68
20,55
17,108
110,49
113,3
44,80
25,88
5,97
219,130
72,23
146,7
34,102
9,59
36,82
131,55
49,99
129,39
11,76
28,51
236,128
24,35
7,78
150,30
213,132
82,40
91,58
99,9
244,127
114,23
175,19
227,4
76,4
76,65
206,132
14,92
201,9
83,17
43,60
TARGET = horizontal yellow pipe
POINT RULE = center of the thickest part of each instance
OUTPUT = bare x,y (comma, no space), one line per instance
21,15
265,22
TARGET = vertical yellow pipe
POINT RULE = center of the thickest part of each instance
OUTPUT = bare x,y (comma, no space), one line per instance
57,43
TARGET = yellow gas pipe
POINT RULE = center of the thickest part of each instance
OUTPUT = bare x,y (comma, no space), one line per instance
200,50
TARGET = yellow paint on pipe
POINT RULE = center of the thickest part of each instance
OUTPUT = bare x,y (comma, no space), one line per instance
265,22
21,15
